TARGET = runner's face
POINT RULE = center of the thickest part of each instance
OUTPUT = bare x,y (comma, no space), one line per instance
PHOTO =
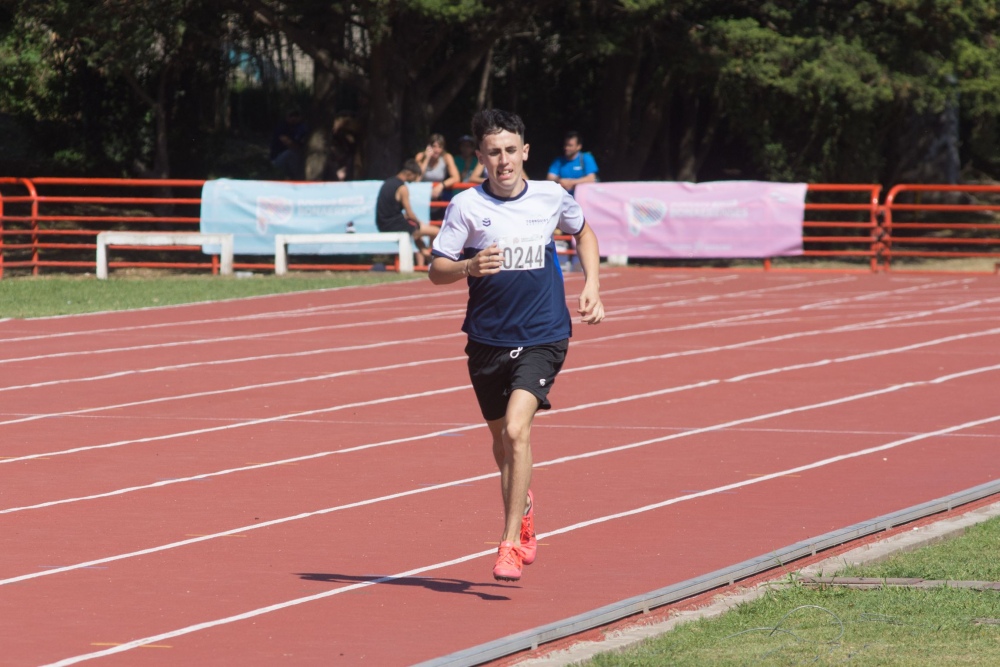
502,155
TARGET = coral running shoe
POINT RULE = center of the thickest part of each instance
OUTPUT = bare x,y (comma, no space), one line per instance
508,567
529,545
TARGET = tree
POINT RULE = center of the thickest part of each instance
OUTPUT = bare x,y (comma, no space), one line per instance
154,47
406,62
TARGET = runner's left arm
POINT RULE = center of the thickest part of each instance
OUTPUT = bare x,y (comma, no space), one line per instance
591,308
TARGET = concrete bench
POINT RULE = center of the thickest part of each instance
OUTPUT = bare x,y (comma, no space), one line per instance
104,239
403,241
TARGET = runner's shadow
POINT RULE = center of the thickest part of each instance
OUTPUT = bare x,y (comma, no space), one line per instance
430,583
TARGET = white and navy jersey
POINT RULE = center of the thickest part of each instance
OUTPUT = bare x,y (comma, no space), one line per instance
524,304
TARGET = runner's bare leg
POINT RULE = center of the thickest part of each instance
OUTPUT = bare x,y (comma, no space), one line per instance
514,459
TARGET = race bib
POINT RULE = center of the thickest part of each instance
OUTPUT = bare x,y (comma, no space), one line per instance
523,254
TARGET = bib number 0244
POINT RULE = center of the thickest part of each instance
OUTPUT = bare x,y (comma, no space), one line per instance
523,255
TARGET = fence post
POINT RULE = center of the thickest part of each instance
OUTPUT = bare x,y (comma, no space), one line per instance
34,232
1,236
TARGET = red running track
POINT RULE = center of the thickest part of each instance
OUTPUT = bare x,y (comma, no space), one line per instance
304,479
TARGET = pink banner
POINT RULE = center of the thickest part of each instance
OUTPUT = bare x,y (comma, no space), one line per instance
725,219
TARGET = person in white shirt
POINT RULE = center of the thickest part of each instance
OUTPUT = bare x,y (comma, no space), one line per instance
498,237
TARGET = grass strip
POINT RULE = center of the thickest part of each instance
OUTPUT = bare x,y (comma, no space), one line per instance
796,625
68,295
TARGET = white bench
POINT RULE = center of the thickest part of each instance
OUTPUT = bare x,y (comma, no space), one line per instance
402,239
104,239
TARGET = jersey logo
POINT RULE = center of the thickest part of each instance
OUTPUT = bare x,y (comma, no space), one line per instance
542,382
486,222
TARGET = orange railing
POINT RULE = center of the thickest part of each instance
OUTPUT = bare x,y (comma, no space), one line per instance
52,223
941,221
834,228
57,227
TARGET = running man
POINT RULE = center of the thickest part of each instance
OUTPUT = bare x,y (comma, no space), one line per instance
498,237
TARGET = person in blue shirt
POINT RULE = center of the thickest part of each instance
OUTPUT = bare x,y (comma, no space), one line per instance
574,166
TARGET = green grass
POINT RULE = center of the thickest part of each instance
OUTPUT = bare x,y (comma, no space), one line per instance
834,626
64,295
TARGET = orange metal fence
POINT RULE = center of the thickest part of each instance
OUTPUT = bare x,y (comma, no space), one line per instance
52,223
941,221
842,221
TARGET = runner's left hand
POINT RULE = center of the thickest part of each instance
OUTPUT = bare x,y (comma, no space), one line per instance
591,309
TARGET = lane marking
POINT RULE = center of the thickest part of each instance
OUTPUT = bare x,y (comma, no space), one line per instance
260,611
252,387
324,310
451,432
328,376
229,339
564,459
207,341
237,360
780,311
267,315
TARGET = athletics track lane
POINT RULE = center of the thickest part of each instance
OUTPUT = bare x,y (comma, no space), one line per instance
755,375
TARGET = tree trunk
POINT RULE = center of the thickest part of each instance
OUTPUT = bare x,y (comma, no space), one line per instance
321,116
384,128
696,139
613,114
484,80
651,122
158,105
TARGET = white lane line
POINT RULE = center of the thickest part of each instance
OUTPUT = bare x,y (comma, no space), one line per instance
777,311
698,325
775,339
256,297
661,285
227,427
565,459
252,387
260,611
312,310
313,329
863,355
727,320
253,336
730,295
229,339
438,433
326,309
822,304
238,360
669,355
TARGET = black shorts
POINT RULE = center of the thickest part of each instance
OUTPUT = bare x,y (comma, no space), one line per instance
400,224
498,371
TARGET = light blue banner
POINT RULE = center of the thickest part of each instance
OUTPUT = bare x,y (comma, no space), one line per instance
254,211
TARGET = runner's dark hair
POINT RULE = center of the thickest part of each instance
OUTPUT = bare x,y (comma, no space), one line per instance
492,121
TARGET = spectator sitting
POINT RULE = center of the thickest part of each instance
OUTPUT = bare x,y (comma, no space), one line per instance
469,169
437,166
288,145
575,166
393,212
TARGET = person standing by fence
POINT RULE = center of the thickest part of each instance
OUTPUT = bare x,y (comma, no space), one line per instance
574,166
